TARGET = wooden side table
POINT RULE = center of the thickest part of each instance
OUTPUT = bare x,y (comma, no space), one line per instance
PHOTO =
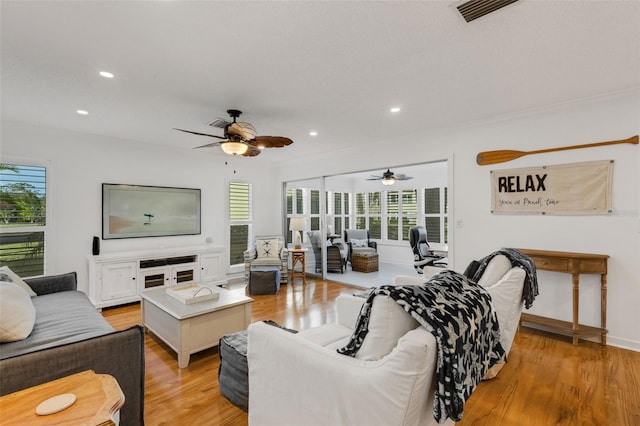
298,256
98,402
574,264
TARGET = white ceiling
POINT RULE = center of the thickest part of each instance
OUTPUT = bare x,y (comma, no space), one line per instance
292,67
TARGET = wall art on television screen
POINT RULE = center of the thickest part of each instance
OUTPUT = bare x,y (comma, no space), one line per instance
134,211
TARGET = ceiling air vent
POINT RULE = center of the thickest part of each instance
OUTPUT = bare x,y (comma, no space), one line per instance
474,9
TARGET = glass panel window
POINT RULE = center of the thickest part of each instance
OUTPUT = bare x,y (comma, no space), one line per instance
432,200
23,204
337,197
375,203
239,221
289,201
392,228
299,201
337,225
375,227
409,211
360,203
393,208
315,201
361,222
435,212
433,228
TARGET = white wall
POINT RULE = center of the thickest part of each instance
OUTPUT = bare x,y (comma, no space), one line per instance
80,163
607,118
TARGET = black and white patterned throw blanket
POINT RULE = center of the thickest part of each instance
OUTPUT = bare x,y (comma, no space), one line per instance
459,314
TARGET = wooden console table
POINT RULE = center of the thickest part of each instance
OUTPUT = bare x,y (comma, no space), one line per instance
574,264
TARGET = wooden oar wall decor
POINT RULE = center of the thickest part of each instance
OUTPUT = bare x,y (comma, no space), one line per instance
504,155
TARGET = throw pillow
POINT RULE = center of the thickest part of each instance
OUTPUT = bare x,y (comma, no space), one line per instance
358,243
497,267
7,274
17,314
267,249
388,322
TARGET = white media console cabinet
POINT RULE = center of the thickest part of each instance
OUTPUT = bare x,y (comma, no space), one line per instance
118,278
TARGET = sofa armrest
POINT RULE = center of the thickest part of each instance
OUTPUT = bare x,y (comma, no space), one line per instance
120,354
373,244
330,388
53,283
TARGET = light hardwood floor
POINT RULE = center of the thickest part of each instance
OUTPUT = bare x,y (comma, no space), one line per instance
547,380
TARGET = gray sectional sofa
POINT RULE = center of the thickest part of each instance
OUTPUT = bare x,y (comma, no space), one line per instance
70,336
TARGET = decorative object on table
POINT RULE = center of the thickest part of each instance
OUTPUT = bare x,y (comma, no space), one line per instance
240,138
192,293
389,178
296,225
55,404
504,155
565,189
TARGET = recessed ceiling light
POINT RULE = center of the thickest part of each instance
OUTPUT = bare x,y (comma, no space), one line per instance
82,112
313,133
106,74
395,109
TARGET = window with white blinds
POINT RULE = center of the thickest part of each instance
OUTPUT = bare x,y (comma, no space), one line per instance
240,220
23,213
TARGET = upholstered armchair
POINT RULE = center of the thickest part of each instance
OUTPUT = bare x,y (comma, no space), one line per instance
267,251
358,241
390,381
334,253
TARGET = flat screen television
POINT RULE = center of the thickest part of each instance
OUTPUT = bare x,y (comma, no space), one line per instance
135,211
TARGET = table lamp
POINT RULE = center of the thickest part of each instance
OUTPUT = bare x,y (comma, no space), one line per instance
296,225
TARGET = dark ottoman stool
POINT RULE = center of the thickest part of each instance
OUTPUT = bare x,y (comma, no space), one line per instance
233,374
264,280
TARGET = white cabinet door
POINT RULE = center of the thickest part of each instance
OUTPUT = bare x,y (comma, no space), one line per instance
211,267
119,280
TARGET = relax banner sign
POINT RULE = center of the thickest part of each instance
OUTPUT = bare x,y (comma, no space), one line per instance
565,189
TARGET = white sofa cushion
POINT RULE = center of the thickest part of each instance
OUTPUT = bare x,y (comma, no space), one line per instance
506,296
497,267
17,314
388,322
7,274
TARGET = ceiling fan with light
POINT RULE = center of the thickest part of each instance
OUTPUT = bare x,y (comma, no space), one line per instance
240,138
389,178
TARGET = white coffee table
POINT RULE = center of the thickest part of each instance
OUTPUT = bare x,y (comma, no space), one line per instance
188,329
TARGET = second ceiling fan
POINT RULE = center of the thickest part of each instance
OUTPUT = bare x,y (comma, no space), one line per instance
389,178
240,138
